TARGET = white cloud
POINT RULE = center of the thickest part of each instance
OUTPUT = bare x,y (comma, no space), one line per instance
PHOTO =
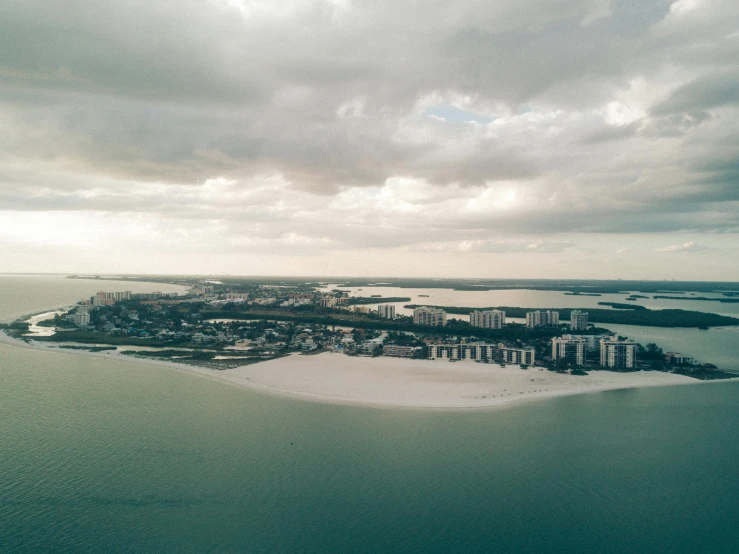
681,7
689,246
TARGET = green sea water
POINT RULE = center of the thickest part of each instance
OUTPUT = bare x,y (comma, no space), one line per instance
109,456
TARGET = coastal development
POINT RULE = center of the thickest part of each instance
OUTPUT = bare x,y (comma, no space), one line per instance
223,326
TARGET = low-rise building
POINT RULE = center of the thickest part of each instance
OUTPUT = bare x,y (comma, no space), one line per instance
469,351
676,358
236,296
512,355
398,351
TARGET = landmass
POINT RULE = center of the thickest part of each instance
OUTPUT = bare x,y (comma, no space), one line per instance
305,341
392,382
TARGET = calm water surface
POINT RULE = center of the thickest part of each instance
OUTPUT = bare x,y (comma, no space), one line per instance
107,456
534,299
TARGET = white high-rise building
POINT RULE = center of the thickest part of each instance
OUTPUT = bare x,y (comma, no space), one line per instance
592,342
103,298
386,310
489,319
569,348
429,316
619,354
578,320
542,318
82,316
329,302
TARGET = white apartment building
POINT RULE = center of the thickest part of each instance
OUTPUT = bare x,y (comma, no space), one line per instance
489,319
361,309
328,302
82,317
542,318
592,342
386,310
103,298
570,348
678,359
516,355
429,316
617,354
578,320
471,351
236,296
398,351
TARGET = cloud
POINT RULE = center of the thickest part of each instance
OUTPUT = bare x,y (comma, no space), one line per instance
327,125
689,246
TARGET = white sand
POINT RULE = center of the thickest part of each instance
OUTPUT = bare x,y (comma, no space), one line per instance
394,382
437,384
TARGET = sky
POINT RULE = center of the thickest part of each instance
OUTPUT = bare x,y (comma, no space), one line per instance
477,138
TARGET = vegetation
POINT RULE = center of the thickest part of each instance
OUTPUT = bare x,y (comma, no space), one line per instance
94,337
205,358
619,306
88,348
376,299
701,298
454,327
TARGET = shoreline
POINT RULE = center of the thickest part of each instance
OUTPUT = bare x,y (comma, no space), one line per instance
396,383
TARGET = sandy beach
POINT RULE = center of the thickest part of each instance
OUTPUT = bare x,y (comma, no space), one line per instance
395,382
431,384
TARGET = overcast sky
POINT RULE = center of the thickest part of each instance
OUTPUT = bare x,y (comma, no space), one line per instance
477,138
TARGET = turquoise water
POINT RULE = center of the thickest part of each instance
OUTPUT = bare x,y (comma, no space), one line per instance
107,456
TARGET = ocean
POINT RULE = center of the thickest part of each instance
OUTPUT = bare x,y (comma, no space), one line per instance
110,456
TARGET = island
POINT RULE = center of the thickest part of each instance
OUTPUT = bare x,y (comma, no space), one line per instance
306,341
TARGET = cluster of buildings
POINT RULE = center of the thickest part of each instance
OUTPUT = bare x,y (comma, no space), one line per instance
152,318
103,298
614,353
495,319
